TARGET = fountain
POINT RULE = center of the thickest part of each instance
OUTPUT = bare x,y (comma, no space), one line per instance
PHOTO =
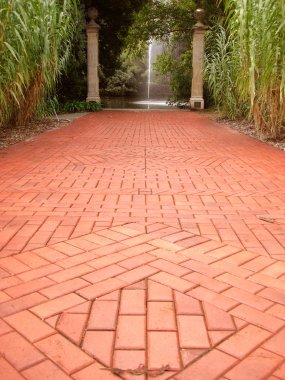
153,92
149,68
157,90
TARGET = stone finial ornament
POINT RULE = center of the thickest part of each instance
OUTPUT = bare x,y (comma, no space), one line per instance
92,14
199,15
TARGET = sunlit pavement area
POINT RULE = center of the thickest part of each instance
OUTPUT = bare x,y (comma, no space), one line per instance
142,245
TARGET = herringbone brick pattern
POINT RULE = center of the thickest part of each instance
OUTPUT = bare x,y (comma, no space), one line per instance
137,296
142,245
114,168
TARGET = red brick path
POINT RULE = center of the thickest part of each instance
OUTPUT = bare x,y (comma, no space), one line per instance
141,240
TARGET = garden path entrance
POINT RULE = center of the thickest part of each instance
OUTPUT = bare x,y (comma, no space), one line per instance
142,245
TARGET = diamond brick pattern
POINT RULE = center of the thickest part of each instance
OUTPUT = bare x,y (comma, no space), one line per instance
134,242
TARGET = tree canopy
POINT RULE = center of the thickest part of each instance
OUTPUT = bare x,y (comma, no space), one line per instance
115,19
168,21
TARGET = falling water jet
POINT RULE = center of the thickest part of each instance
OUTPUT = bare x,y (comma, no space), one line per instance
149,68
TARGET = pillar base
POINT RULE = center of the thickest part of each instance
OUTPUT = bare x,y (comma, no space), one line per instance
93,99
197,103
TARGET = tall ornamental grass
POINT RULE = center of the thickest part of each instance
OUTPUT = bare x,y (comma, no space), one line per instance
222,70
35,41
245,63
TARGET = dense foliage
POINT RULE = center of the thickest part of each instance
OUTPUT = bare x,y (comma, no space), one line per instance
73,82
221,73
246,63
30,65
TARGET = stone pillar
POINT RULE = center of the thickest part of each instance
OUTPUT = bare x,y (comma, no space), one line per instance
92,30
199,30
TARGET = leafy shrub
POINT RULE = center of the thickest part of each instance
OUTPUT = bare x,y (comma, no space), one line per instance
78,106
122,83
177,67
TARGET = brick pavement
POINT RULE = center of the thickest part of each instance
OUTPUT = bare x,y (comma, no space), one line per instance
139,240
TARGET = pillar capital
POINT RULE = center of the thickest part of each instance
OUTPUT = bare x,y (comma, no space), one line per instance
92,27
199,28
